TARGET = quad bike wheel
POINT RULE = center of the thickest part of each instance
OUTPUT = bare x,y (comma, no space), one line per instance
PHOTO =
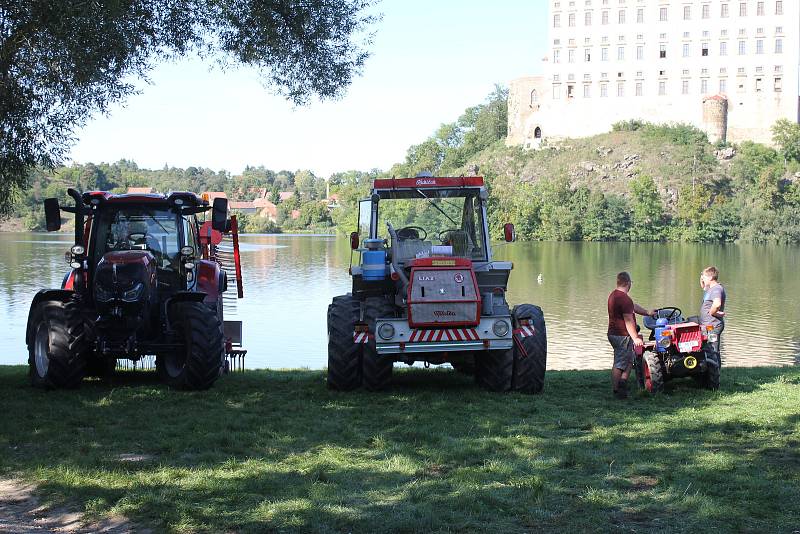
58,346
649,373
530,353
197,365
376,369
344,356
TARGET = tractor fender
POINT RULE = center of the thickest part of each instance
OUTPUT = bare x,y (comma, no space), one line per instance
62,295
211,280
181,296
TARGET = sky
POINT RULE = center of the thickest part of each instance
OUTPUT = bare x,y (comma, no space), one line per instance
430,60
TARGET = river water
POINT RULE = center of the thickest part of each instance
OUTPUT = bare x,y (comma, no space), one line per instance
289,281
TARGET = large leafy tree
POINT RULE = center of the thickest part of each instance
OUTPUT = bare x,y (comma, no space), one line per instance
61,61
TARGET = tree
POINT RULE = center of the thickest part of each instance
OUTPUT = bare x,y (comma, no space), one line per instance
786,135
62,61
648,211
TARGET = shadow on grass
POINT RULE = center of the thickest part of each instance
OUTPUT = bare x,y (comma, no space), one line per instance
276,450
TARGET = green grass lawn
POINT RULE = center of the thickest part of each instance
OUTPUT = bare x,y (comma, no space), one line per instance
277,451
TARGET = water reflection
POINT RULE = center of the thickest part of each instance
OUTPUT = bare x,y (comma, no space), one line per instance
289,281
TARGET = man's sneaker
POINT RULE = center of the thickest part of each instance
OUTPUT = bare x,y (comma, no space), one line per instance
622,390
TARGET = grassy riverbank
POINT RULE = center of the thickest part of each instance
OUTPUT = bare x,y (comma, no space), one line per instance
275,450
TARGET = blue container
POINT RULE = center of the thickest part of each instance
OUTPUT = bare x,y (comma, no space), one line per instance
660,325
373,260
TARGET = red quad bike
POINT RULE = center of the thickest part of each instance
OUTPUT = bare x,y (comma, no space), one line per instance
676,349
143,281
428,290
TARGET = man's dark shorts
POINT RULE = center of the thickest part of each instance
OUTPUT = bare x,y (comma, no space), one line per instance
623,351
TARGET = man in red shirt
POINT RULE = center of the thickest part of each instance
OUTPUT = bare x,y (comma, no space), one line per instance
622,333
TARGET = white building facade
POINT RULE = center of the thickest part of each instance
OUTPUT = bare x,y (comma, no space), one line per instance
731,68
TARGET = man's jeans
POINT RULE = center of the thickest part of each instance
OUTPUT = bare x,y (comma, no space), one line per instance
712,349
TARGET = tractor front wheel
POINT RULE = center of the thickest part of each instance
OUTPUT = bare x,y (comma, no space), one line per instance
58,347
649,373
530,353
494,369
197,365
344,355
377,369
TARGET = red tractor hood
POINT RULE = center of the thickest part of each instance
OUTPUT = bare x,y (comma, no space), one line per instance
127,257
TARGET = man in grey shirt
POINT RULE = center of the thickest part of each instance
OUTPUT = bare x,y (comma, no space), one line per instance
712,310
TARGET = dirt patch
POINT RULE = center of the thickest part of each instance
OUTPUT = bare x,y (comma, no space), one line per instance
22,512
643,483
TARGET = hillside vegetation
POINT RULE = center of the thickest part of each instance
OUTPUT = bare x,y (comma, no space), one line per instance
639,182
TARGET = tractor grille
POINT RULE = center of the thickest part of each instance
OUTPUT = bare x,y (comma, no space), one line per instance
443,297
688,339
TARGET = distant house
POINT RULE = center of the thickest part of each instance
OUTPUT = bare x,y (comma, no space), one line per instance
295,214
211,195
141,190
332,201
243,207
285,195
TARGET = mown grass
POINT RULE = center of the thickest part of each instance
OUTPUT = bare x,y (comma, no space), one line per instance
277,451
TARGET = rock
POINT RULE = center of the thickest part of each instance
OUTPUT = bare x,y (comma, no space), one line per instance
604,151
725,154
587,166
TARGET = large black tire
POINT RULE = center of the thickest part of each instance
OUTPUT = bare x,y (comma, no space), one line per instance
376,369
649,373
344,356
494,369
530,365
59,345
198,365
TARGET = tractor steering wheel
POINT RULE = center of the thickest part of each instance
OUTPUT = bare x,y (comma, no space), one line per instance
673,313
412,232
441,235
133,237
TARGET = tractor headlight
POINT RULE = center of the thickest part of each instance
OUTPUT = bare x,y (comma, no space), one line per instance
713,338
77,250
102,294
500,328
187,251
665,342
133,293
386,331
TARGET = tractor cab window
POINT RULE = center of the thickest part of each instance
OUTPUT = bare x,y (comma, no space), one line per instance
435,223
154,230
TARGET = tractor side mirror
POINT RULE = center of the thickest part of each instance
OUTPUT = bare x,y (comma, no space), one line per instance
219,215
354,240
52,214
509,234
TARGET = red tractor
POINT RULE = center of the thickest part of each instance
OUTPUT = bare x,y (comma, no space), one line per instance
427,290
144,280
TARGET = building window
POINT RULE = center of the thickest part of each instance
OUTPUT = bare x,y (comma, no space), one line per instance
604,54
603,90
587,91
620,89
640,15
571,20
687,12
724,11
742,48
556,92
662,52
556,21
706,11
759,46
704,49
640,52
759,85
779,46
662,88
778,7
704,86
760,9
605,17
534,97
742,9
685,87
571,55
778,87
685,49
723,86
662,14
723,48
621,53
570,91
587,55
587,18
638,88
621,18
556,56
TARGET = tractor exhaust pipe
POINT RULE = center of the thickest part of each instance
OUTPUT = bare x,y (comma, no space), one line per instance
395,263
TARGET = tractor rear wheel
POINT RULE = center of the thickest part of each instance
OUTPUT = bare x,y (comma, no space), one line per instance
344,356
530,353
494,369
197,365
649,373
376,369
58,347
